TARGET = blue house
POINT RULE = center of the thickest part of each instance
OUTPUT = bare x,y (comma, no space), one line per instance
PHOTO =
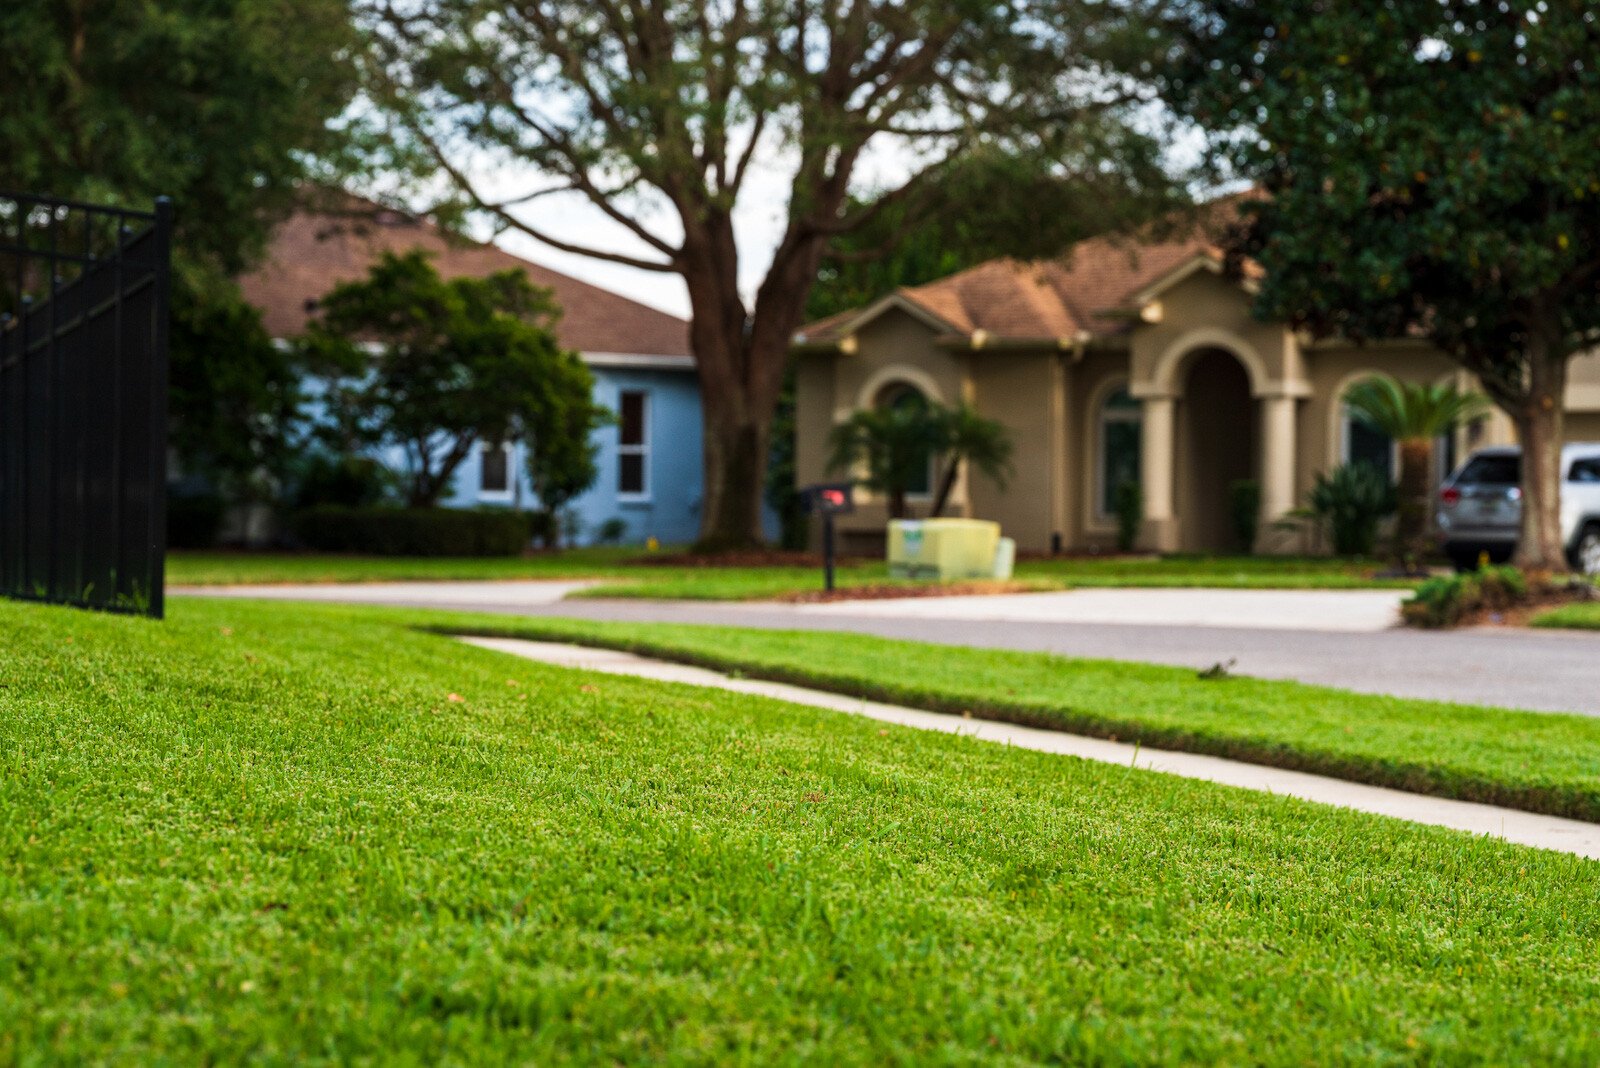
650,458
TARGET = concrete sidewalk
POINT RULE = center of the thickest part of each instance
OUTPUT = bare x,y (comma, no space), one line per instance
1512,825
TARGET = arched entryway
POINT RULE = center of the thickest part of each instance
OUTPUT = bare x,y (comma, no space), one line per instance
1217,447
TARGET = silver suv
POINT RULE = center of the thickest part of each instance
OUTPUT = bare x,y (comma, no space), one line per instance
1480,506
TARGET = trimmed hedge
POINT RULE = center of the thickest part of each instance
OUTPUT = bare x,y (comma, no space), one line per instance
412,531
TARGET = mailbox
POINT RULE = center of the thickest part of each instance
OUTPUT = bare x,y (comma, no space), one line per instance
831,498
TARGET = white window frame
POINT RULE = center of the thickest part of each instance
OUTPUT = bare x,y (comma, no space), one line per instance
642,450
1104,415
497,496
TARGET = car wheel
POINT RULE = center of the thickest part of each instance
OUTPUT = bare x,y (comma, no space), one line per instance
1586,556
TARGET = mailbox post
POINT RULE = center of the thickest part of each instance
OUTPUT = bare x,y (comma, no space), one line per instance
829,499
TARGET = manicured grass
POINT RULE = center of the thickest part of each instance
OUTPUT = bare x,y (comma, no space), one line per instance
624,577
1573,616
270,832
1533,760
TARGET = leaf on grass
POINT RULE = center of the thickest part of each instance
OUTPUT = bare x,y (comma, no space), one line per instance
454,698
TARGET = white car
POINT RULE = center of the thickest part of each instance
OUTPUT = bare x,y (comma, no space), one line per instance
1480,506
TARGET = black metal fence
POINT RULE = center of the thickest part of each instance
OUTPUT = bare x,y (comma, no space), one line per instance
84,293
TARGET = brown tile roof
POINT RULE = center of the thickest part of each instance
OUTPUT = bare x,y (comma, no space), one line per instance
313,250
1082,291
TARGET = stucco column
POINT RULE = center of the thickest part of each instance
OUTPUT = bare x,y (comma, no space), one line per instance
1277,458
1156,473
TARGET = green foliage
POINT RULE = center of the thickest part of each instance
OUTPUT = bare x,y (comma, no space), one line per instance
412,531
228,107
1244,513
1353,499
896,444
1128,498
1408,411
1431,170
1449,601
611,531
1413,415
662,139
1029,204
235,396
965,437
351,480
461,361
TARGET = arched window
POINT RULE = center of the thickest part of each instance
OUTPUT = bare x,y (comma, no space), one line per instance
1364,445
903,395
1120,436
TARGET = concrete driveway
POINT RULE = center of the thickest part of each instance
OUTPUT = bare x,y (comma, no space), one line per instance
1341,610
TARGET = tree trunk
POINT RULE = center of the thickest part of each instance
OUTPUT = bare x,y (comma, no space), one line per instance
1541,423
735,455
740,359
1416,496
947,485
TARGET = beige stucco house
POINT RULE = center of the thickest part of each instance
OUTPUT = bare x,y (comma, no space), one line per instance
1120,361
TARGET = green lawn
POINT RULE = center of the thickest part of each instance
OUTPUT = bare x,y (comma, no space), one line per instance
1574,616
283,833
625,577
1532,760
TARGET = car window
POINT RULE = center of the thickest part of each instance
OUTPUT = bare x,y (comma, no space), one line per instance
1504,470
1584,471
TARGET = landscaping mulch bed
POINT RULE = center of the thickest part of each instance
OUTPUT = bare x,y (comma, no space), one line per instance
886,591
740,558
1536,603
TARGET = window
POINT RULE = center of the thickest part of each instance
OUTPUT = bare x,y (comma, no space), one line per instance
1495,470
1584,471
494,469
1120,444
633,444
1364,445
902,396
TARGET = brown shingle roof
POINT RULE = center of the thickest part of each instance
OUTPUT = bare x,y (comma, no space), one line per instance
1049,300
314,250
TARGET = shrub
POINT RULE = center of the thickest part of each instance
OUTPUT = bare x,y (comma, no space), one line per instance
353,481
1353,499
193,520
1244,510
612,531
1128,499
1450,601
412,531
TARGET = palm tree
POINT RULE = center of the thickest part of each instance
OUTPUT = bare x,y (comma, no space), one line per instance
894,444
1413,416
967,437
897,444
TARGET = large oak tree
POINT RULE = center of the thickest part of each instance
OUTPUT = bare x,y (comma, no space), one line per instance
659,110
1434,172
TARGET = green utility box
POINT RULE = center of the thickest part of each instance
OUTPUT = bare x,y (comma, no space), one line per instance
942,549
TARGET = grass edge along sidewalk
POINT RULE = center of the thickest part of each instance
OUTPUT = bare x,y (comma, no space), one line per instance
672,577
1535,761
272,832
